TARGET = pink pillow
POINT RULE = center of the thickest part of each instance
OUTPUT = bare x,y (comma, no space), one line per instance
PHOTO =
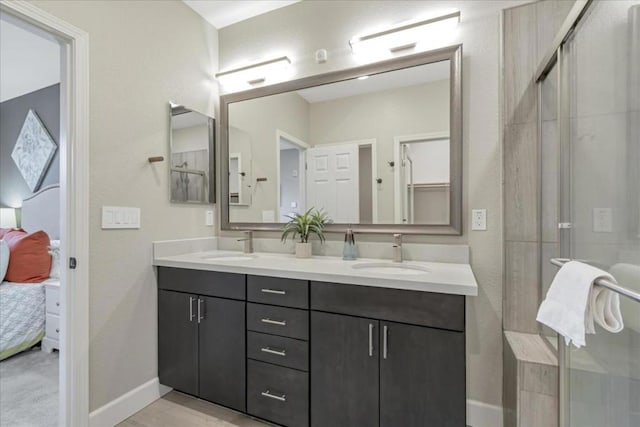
29,261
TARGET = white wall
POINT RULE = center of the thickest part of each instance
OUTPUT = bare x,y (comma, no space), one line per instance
298,30
143,54
29,59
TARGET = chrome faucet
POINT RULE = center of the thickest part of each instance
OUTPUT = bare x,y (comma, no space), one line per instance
248,242
397,248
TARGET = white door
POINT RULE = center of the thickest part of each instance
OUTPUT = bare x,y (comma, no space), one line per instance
332,181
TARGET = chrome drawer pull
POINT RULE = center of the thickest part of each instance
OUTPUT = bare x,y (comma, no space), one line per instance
282,352
273,291
281,398
191,315
274,322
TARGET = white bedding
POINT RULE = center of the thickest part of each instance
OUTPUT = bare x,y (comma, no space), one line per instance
22,316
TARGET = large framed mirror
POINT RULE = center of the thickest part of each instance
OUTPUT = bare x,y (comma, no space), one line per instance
191,158
377,146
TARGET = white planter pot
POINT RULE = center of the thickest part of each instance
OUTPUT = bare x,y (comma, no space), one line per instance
303,250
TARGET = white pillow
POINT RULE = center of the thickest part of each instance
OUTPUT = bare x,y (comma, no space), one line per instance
54,250
4,259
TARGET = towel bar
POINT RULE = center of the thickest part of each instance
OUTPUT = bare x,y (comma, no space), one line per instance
603,282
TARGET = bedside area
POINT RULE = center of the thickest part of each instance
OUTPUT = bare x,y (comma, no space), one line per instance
51,340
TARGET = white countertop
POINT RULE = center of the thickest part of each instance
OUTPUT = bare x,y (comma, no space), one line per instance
448,278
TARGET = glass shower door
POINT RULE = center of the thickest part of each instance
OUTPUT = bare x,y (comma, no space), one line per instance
601,59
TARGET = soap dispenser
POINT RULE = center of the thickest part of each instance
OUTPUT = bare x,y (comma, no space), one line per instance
349,251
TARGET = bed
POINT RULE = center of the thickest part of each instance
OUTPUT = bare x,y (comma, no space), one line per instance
22,305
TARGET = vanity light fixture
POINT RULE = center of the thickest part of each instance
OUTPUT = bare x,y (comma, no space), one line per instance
434,31
254,73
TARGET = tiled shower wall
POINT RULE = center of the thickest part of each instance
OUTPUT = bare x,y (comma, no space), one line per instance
528,31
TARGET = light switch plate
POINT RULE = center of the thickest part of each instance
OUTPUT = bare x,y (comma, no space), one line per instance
208,221
602,220
479,219
118,217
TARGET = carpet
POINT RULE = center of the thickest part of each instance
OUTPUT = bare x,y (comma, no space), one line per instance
29,389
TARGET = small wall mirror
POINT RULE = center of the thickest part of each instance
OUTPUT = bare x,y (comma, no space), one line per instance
377,146
192,170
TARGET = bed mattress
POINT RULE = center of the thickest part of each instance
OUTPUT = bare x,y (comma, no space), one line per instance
22,316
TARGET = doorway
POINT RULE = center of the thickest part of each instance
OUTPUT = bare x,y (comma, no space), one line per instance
291,172
74,201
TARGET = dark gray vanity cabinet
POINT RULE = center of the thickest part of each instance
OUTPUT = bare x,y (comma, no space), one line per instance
278,350
344,370
300,353
177,341
380,371
201,338
422,376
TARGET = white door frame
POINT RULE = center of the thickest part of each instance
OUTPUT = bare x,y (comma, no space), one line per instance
374,169
397,141
302,182
74,207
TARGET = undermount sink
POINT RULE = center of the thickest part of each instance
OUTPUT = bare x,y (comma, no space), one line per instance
390,268
228,257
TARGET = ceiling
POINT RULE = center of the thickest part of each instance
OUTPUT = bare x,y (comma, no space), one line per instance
222,13
29,60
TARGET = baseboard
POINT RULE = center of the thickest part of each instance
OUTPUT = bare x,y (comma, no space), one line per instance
483,415
128,404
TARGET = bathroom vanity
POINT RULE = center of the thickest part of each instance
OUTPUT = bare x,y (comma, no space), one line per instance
316,342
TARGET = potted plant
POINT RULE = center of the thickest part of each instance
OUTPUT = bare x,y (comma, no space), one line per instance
304,225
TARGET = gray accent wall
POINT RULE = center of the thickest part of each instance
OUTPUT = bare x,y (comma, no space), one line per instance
46,104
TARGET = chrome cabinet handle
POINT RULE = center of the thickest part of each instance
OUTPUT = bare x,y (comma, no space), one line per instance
200,316
281,398
370,339
274,322
385,333
273,291
269,350
191,315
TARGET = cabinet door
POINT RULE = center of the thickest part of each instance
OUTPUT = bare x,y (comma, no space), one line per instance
344,371
422,377
177,341
222,351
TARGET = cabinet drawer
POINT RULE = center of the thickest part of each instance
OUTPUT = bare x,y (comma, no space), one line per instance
273,290
278,394
208,283
52,327
278,350
414,307
286,322
52,300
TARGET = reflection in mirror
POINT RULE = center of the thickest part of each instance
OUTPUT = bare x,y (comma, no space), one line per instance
191,144
240,186
371,150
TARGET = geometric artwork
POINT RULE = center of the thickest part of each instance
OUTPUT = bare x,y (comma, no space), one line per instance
33,151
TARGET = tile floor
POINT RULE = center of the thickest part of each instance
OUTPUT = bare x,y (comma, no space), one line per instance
180,410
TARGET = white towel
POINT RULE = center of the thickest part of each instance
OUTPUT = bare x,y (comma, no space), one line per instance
574,303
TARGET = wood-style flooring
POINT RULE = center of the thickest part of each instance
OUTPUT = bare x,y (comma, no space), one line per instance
180,410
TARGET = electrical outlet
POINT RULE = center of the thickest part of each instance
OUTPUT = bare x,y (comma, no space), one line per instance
208,221
602,220
479,219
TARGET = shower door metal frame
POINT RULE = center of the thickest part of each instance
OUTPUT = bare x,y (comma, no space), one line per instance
557,56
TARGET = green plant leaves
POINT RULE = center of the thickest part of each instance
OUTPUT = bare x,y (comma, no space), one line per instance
305,224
